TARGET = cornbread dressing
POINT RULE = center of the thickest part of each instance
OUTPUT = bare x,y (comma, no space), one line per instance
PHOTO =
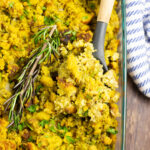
74,107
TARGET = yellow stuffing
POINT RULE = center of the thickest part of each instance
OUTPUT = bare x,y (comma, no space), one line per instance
2,64
74,101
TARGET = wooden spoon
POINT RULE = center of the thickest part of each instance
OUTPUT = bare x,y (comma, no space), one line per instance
104,14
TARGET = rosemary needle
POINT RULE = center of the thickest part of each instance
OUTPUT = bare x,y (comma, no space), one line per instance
48,42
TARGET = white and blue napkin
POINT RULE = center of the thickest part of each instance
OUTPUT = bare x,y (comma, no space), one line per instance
138,43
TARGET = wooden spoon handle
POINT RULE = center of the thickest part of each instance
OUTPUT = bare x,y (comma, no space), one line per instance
105,10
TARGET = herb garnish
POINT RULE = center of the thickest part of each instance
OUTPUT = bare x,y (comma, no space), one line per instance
70,139
52,128
32,108
11,4
92,6
43,8
85,17
26,12
21,126
112,131
21,17
47,40
48,20
30,139
43,123
73,33
38,88
85,114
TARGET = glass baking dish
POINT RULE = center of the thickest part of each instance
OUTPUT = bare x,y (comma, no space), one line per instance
120,144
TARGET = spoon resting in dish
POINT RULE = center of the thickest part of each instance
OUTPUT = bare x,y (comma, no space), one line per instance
104,14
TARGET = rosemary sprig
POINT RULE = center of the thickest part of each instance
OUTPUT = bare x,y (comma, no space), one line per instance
47,40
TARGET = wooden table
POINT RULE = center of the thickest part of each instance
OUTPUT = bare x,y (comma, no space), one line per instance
138,119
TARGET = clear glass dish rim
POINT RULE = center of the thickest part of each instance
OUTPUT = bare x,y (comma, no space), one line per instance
124,70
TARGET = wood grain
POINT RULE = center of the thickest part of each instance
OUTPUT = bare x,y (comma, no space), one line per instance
138,119
105,10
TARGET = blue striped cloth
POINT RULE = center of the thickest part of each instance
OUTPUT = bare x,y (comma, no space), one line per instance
138,43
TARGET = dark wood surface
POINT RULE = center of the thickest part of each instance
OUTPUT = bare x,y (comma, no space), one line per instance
138,119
